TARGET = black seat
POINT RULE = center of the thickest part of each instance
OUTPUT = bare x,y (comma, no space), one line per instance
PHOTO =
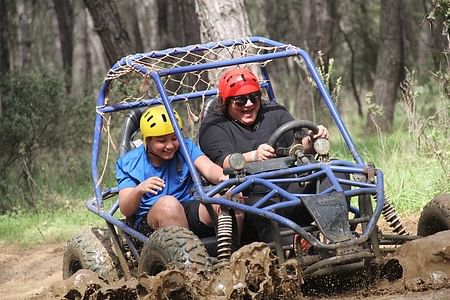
129,129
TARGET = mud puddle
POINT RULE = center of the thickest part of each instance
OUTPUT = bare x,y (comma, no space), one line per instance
253,273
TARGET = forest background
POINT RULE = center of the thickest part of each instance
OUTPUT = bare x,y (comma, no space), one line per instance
384,61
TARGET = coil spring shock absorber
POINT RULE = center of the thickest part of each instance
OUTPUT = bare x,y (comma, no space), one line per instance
388,211
390,215
224,236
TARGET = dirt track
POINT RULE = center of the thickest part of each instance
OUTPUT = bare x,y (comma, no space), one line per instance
24,273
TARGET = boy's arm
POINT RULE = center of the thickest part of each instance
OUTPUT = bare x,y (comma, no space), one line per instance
212,172
129,200
130,197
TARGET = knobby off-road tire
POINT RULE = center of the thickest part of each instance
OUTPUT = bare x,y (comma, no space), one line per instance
173,247
435,216
91,250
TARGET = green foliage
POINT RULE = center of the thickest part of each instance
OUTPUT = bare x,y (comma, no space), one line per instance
428,121
26,229
441,9
412,177
326,72
414,157
31,105
44,143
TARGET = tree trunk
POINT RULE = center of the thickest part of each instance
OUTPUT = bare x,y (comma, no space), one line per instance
222,20
135,30
64,15
280,27
24,35
4,53
89,60
257,15
114,37
322,25
129,14
190,22
323,28
440,41
148,24
389,67
178,23
81,56
314,33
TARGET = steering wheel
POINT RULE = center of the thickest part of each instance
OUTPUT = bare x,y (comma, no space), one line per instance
283,161
296,125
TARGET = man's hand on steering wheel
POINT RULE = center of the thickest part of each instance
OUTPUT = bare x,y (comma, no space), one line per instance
322,132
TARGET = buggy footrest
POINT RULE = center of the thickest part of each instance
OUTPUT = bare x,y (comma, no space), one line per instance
330,212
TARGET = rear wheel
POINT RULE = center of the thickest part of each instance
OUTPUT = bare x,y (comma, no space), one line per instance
435,216
91,250
173,246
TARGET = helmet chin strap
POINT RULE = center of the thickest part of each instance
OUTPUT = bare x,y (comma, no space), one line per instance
150,153
179,164
154,155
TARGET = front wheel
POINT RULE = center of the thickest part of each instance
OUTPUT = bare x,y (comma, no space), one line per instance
173,246
91,250
435,216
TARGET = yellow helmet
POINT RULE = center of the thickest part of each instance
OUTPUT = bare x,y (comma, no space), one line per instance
155,122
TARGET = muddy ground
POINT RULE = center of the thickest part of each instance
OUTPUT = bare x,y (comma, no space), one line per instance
36,274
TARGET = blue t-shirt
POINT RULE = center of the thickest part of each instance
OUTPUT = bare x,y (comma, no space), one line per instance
135,167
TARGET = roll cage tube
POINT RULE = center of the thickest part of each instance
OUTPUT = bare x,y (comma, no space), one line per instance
188,160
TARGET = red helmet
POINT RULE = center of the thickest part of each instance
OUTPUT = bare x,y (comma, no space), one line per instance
236,82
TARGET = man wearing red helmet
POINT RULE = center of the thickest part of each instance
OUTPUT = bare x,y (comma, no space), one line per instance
243,123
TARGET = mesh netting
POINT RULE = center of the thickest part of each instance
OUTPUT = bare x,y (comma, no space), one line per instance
131,80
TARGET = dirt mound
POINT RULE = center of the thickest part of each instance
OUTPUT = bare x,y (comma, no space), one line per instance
253,273
426,261
85,284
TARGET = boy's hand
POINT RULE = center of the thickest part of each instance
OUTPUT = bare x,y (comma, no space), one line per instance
151,185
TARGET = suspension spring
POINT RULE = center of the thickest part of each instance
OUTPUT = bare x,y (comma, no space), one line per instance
391,217
224,237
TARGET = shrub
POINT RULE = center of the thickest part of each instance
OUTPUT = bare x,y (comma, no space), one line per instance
41,127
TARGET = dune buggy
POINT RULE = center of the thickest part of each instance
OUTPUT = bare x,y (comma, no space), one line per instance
343,236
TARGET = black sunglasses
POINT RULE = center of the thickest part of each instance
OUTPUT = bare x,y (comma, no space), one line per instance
242,100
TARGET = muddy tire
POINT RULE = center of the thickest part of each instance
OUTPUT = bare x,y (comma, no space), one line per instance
173,247
435,216
91,250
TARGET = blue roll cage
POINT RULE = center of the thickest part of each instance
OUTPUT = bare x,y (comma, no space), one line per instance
267,179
